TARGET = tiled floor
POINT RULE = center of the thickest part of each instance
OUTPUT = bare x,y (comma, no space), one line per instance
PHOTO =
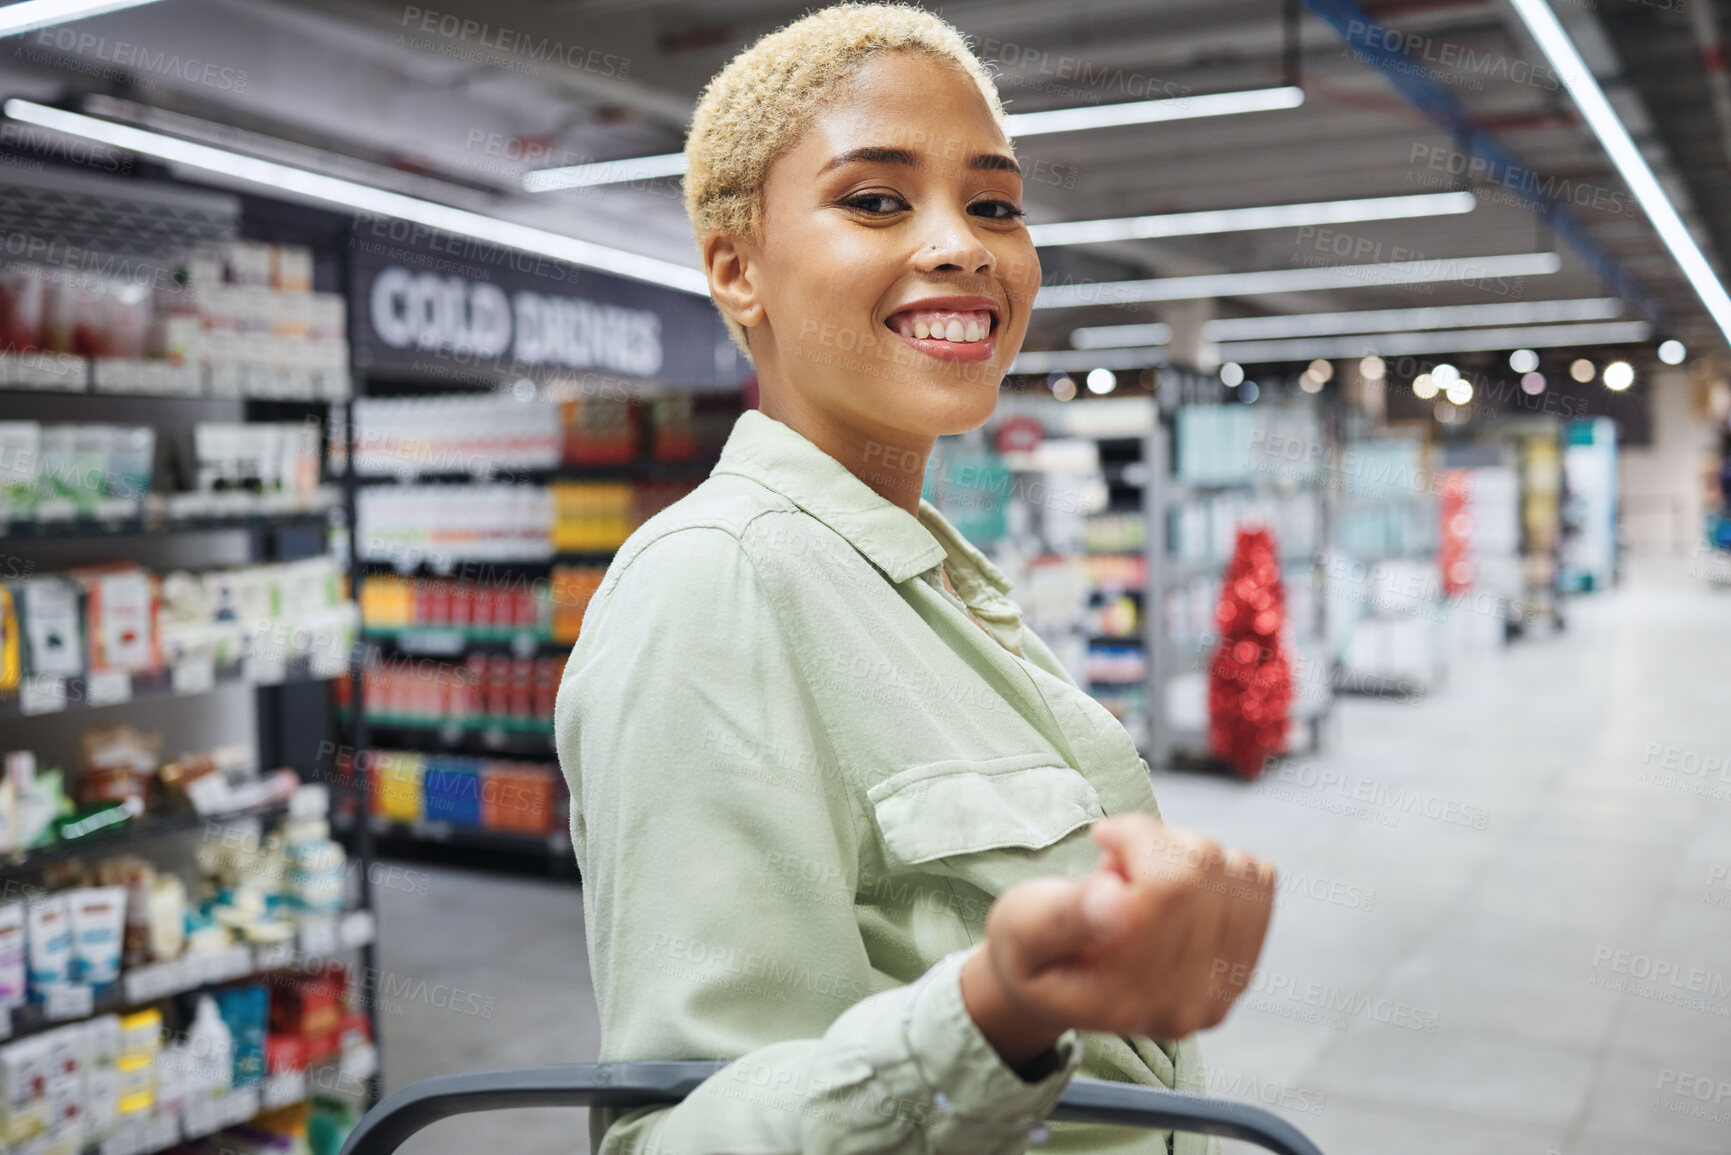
1496,936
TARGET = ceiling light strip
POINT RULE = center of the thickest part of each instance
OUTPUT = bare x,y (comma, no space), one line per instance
1451,269
33,14
364,198
1439,341
1608,127
1215,221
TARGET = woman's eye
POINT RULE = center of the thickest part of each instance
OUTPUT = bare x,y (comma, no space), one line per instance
877,204
996,210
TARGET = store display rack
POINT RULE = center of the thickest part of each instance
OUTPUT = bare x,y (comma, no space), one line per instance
290,708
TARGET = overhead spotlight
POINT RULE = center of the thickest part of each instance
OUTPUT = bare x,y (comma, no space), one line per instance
1445,374
1523,360
1448,414
1583,371
1459,391
1424,387
1533,384
1250,392
1064,389
1672,352
1309,383
1102,381
1619,375
1323,371
1372,369
1232,374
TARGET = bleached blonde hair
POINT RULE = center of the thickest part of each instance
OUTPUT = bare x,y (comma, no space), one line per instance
757,107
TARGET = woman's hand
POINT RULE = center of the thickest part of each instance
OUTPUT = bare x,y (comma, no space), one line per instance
1158,941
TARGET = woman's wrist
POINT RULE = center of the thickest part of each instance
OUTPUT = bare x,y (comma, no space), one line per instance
1018,1036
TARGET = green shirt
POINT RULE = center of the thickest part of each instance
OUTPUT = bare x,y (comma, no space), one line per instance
800,771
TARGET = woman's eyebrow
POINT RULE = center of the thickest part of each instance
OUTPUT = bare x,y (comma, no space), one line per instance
873,154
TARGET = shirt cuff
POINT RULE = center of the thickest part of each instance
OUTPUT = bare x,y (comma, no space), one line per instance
958,1061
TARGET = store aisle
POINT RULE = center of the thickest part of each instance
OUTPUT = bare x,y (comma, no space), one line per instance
481,972
1468,880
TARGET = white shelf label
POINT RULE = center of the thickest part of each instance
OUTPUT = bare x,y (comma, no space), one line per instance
39,695
128,1137
199,1116
283,1088
238,1106
265,666
69,1001
358,928
274,956
161,1129
195,676
108,688
319,936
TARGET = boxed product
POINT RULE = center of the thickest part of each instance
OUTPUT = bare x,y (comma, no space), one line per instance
397,794
20,455
52,627
120,610
453,788
517,797
245,1009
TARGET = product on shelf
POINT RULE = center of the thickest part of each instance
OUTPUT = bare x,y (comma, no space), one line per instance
60,472
407,524
599,431
473,793
572,588
591,516
481,435
690,427
252,466
481,610
486,692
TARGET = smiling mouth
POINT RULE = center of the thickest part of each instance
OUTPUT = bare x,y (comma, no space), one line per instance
955,326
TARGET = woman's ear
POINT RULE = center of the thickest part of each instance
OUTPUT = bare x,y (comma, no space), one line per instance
730,263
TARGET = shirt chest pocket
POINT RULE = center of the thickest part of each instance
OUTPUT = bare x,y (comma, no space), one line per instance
990,821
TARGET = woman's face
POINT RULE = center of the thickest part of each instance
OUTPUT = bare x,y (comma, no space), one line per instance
894,272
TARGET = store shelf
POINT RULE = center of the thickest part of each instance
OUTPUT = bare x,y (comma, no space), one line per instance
423,565
44,695
80,528
479,740
548,475
475,838
64,374
455,641
319,938
133,833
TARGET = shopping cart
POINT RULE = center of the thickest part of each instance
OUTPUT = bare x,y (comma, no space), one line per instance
402,1113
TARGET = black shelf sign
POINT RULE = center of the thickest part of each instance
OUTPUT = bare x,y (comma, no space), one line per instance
427,306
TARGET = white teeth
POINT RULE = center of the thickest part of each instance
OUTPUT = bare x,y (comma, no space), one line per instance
921,329
907,330
954,332
972,332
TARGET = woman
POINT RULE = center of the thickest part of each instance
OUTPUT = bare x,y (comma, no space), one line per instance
841,819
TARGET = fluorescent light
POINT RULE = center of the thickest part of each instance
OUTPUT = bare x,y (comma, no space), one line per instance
1246,219
1018,124
619,171
1087,360
1119,336
1296,280
1555,44
1439,341
34,14
1402,320
366,198
1152,111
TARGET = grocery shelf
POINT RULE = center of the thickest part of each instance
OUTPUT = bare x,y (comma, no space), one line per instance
79,528
456,641
70,375
319,938
421,737
547,474
49,695
426,563
133,832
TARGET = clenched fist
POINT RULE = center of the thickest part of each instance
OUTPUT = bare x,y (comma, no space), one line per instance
1158,941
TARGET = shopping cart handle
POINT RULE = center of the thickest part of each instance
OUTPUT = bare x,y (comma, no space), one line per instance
402,1113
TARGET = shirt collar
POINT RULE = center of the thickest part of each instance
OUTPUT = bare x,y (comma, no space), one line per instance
775,455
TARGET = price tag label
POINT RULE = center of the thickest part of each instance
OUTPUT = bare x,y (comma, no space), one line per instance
39,695
265,666
232,963
274,956
161,1129
195,676
69,1001
319,936
128,1137
108,688
199,1116
358,927
283,1088
239,1106
145,983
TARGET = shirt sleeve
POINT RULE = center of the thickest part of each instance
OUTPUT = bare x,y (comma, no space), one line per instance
719,842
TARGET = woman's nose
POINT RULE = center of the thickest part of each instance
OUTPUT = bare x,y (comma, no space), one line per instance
952,246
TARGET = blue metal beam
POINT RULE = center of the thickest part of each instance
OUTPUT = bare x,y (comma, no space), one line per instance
1373,43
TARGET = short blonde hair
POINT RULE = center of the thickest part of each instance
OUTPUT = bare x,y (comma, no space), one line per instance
757,107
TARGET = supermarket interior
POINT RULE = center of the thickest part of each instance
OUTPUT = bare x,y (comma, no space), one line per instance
1368,458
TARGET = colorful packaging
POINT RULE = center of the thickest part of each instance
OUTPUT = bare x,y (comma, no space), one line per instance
13,989
50,942
98,915
121,611
53,636
246,1010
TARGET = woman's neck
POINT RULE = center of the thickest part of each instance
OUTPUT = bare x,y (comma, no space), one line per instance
894,466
